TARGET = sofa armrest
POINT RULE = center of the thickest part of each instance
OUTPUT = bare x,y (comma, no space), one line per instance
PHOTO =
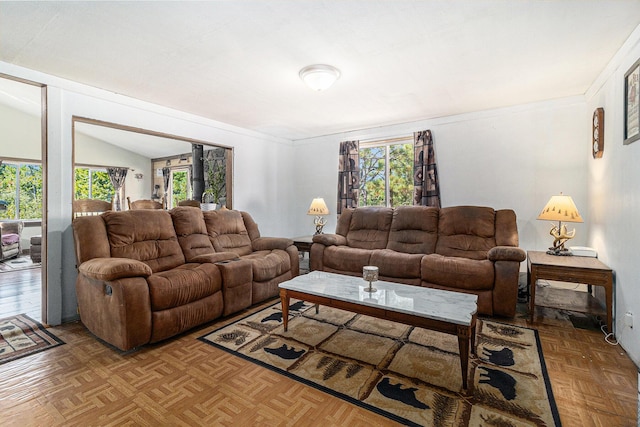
507,253
330,239
109,269
270,243
213,257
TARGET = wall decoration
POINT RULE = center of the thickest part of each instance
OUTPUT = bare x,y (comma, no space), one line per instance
632,104
597,132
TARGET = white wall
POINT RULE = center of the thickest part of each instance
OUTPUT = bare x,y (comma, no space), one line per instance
614,194
20,133
95,152
260,168
514,158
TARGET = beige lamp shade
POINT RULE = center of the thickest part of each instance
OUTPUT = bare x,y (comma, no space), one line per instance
318,207
560,208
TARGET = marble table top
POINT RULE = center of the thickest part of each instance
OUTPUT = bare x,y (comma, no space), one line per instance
453,307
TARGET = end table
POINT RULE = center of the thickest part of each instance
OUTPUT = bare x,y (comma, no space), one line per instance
574,269
303,243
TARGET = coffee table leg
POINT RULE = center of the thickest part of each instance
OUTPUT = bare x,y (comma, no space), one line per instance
285,308
464,337
473,339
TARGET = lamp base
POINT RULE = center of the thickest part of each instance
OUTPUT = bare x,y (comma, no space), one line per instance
319,222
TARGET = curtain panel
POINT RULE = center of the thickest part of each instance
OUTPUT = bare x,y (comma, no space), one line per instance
348,175
166,175
425,172
117,177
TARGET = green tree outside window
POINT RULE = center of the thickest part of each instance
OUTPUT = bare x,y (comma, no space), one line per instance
21,190
179,186
386,175
93,184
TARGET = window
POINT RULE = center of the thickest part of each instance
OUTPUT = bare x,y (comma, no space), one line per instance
20,190
93,183
180,188
386,173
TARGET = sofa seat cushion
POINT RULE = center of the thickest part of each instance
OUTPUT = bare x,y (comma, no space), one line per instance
454,272
267,265
396,264
10,239
183,285
345,258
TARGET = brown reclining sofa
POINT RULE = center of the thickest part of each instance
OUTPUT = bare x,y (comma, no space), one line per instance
147,275
464,248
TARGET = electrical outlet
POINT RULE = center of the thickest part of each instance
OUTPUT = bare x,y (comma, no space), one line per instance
628,319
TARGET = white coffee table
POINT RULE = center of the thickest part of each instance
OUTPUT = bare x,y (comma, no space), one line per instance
438,310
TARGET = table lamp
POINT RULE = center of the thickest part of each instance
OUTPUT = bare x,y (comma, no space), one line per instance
318,208
560,208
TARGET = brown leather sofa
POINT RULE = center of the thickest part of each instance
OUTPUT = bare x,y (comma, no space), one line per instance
147,275
470,249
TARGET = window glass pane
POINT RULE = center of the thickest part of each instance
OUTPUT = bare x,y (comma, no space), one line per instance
179,187
82,183
372,177
93,184
8,191
378,189
30,191
401,174
101,187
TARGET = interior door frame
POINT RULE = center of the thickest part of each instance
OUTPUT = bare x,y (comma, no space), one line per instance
44,164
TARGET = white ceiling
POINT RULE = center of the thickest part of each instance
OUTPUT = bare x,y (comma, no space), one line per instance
237,61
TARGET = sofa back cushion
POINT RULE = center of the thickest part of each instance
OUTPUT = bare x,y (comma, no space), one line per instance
191,231
227,231
466,231
414,230
145,235
369,227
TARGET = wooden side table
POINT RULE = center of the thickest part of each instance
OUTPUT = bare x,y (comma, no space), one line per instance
574,269
303,243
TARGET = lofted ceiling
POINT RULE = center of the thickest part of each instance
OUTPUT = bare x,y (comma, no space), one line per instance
238,61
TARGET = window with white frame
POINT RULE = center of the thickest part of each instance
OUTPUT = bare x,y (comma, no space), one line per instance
386,173
94,183
20,190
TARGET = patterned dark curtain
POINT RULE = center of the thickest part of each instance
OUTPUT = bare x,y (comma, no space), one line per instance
117,176
348,175
166,175
426,187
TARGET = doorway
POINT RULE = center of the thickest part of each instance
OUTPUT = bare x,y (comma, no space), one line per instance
23,198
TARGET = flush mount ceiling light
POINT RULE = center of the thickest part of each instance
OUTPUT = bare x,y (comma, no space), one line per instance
319,76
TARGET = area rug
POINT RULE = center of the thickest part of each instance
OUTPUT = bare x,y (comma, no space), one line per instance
408,374
20,263
22,336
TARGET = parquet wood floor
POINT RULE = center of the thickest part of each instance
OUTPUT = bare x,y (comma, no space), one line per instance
183,382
